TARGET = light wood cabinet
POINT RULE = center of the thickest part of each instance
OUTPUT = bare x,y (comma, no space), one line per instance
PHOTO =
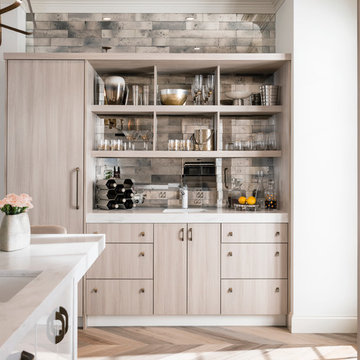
186,269
254,233
119,297
253,297
123,233
170,269
203,269
124,261
254,261
45,144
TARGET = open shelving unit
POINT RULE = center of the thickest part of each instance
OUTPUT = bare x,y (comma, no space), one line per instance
164,70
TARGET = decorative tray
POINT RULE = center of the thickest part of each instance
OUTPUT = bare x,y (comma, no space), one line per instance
245,207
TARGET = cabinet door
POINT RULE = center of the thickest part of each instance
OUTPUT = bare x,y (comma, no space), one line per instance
203,269
253,297
261,261
254,233
123,233
119,297
124,261
45,139
170,248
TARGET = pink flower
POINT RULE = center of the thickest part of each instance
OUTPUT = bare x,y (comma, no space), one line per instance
23,200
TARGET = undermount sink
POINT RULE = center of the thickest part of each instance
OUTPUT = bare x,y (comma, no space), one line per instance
184,211
11,282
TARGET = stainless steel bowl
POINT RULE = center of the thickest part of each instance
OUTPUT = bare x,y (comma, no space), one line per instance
173,96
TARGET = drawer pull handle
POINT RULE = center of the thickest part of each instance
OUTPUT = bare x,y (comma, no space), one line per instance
142,234
94,290
95,232
277,290
190,234
277,253
229,253
142,253
181,234
230,233
229,290
277,233
142,290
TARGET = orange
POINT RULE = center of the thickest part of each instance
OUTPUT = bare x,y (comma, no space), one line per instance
251,200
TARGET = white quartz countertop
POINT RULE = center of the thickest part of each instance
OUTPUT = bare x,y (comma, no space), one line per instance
58,258
210,215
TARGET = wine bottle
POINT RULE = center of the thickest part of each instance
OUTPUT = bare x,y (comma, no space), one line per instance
120,199
106,194
120,188
128,183
128,204
107,205
106,184
129,193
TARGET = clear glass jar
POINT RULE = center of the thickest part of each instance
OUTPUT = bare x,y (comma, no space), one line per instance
271,201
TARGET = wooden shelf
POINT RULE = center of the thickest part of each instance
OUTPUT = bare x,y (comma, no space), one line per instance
185,110
186,154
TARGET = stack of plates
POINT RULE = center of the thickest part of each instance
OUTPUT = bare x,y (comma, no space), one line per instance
269,94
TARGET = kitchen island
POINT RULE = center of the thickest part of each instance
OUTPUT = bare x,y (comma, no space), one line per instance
38,302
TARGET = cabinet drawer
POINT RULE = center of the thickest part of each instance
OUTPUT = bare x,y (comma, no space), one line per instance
254,233
124,261
264,261
119,297
123,233
253,297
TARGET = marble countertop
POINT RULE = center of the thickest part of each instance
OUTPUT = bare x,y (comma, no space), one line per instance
58,258
210,215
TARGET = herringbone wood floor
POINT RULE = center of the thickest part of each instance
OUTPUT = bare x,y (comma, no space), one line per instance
212,343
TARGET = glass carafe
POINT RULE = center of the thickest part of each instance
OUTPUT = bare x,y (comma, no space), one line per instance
236,192
271,201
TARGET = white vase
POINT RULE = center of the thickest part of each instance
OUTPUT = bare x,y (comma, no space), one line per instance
15,232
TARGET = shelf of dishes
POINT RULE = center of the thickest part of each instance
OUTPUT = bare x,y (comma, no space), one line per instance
186,110
187,154
186,89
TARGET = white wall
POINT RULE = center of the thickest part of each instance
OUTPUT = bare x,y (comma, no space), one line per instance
324,213
11,42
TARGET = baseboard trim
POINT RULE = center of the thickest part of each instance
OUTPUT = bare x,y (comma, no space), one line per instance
324,325
277,320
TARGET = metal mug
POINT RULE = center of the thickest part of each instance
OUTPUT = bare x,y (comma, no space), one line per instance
203,139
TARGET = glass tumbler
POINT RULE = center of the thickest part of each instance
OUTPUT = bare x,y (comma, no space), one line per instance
145,95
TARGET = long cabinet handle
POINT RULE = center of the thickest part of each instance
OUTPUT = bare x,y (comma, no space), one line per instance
77,188
190,234
181,234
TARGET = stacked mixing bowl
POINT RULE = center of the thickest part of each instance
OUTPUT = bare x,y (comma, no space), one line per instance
269,95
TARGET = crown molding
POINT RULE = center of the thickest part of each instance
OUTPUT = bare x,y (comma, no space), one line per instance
158,6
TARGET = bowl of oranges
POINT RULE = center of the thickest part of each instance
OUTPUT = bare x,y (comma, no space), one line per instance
246,203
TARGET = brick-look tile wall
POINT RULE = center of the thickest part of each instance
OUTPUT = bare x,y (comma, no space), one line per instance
167,33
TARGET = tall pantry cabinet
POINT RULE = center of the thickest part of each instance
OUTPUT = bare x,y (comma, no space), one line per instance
45,149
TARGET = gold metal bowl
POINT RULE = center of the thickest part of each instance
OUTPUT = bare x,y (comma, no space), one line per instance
173,96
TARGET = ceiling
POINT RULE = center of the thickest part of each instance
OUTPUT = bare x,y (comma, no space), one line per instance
157,6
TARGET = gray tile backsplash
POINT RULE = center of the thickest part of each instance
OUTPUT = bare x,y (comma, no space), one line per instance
160,33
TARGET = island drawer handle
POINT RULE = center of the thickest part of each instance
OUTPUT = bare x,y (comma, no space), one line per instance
142,290
277,290
142,234
26,356
230,290
142,253
60,337
277,253
230,233
94,290
64,313
229,253
277,233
